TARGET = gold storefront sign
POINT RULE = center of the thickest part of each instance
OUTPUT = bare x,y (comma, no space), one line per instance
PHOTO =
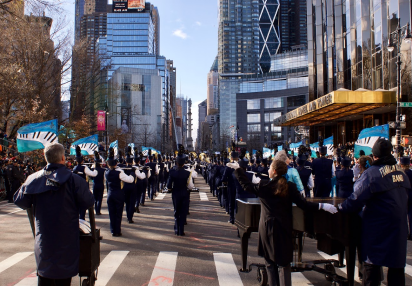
336,105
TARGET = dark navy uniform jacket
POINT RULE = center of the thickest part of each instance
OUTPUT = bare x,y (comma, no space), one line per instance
130,171
98,181
322,168
381,194
79,170
178,182
304,174
344,183
56,195
240,192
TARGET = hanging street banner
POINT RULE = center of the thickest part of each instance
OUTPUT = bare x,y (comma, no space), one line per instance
101,120
368,137
37,136
88,145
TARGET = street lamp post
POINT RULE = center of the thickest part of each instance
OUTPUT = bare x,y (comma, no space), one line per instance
107,128
396,38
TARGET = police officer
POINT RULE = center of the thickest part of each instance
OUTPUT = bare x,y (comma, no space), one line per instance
84,172
130,189
406,164
305,174
152,187
98,183
179,182
115,178
381,195
324,170
344,179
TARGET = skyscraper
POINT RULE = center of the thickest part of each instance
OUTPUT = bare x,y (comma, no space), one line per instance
269,36
292,24
213,89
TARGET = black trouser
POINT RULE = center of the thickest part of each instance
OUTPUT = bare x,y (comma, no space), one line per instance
277,275
42,281
372,275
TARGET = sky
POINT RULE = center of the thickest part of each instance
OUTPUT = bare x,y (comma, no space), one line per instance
188,36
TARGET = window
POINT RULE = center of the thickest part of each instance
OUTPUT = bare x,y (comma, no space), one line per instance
274,102
253,104
296,100
253,128
253,118
269,117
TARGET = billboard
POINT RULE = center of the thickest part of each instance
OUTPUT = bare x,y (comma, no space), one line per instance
128,6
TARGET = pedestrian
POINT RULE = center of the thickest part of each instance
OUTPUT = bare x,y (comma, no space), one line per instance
277,195
115,179
293,175
98,183
55,194
179,183
380,194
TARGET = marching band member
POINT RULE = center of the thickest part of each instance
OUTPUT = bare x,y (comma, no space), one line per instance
152,188
115,178
344,179
324,171
98,183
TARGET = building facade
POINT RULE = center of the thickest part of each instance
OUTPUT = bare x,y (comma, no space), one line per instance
202,113
133,102
213,89
348,42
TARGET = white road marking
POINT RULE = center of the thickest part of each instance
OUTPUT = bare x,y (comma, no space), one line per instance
298,279
408,269
226,269
203,196
336,257
160,196
164,271
16,211
9,262
30,280
109,266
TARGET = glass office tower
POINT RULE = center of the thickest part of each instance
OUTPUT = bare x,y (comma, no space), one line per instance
347,43
269,36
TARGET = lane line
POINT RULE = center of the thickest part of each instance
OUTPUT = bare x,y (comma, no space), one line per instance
11,212
226,270
164,270
109,266
408,269
336,257
160,196
30,280
298,279
203,196
16,258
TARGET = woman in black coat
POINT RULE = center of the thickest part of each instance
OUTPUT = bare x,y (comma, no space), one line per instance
275,225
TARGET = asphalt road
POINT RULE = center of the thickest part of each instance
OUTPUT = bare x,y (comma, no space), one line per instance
149,253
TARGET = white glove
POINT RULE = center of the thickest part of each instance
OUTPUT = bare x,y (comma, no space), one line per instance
328,208
255,180
233,165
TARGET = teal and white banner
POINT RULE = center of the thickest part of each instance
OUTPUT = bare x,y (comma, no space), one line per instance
369,136
295,146
328,142
268,152
115,146
132,146
37,136
145,151
88,145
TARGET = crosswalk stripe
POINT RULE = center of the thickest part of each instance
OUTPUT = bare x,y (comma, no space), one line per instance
109,266
164,270
336,257
226,269
160,197
30,280
298,279
203,196
9,262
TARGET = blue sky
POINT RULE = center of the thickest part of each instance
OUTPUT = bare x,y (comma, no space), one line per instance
188,36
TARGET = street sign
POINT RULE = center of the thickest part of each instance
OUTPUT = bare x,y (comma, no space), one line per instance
405,104
392,124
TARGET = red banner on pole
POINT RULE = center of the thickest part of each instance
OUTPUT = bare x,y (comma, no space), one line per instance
101,120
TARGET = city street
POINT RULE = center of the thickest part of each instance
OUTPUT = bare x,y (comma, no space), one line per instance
149,253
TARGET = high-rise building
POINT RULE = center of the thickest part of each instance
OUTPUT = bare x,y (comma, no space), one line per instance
213,89
238,36
347,42
202,113
87,7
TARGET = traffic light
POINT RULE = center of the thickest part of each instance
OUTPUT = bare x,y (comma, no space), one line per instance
407,140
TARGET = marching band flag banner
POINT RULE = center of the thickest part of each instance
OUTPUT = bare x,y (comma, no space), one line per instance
132,146
88,145
145,151
295,146
115,146
328,142
37,136
254,152
368,137
268,152
280,148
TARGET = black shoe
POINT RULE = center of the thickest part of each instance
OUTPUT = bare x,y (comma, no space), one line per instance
10,201
142,204
182,234
137,210
188,213
98,213
231,222
116,234
185,222
131,221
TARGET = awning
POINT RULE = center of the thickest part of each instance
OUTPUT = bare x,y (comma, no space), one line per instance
336,105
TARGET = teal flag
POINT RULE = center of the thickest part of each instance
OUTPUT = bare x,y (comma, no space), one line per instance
37,136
